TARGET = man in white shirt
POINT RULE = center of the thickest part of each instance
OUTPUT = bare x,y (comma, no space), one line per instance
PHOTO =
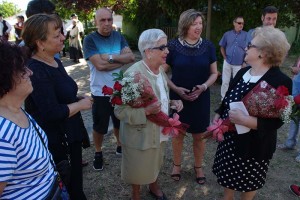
5,28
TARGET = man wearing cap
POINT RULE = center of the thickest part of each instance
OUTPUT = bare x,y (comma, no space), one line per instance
5,28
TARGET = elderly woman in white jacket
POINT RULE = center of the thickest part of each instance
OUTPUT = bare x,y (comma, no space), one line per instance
142,140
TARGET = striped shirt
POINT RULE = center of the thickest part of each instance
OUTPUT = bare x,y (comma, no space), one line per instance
24,162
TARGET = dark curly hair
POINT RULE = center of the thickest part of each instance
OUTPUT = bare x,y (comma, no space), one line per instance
12,62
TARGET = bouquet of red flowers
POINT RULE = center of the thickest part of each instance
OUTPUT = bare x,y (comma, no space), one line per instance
136,91
267,102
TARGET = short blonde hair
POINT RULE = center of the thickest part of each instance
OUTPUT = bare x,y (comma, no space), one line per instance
186,19
273,43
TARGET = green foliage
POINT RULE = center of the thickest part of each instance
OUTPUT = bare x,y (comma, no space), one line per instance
132,41
295,49
8,9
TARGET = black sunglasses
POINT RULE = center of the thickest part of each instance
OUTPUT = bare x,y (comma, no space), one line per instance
162,47
250,45
240,23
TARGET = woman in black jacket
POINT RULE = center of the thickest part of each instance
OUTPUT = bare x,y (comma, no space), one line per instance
242,160
54,102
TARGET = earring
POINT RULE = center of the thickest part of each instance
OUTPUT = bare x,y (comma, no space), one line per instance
259,57
149,57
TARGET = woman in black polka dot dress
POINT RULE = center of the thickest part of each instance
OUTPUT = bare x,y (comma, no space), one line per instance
242,160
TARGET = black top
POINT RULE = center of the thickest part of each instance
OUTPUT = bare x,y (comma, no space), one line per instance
261,143
53,89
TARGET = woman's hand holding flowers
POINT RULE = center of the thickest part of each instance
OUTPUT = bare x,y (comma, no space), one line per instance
176,105
237,116
153,108
216,117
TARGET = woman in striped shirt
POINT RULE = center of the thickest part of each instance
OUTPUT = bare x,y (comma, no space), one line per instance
25,168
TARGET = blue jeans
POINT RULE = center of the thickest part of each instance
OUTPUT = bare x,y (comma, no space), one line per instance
292,139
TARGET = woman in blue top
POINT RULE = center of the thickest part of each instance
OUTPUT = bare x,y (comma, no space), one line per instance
54,102
194,68
25,168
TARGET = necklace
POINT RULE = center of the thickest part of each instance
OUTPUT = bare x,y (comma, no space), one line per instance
149,70
195,45
48,61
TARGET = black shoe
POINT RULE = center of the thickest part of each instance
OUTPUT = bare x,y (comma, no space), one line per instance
119,150
98,161
163,197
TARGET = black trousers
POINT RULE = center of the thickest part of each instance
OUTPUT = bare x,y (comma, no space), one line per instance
59,153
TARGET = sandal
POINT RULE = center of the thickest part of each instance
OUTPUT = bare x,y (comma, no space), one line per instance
84,163
199,180
176,177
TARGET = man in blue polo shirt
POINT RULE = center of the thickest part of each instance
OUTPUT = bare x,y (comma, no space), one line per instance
233,44
106,51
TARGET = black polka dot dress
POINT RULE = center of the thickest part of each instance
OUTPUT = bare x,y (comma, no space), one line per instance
232,171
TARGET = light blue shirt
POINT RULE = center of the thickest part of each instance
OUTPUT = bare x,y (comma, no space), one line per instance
296,85
234,44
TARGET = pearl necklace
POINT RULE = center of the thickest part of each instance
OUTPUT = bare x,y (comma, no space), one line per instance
149,70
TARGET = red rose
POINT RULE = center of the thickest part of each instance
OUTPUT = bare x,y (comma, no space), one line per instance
117,86
281,103
297,99
107,90
116,100
282,91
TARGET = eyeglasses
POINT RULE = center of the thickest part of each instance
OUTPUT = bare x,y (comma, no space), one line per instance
162,47
240,23
250,45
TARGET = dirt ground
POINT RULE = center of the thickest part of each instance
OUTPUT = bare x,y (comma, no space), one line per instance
107,184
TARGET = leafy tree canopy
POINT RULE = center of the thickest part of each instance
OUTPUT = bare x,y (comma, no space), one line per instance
8,9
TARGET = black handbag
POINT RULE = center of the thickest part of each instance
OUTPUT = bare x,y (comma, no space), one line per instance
63,168
85,136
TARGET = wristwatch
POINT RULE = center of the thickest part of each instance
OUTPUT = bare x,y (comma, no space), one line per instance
110,59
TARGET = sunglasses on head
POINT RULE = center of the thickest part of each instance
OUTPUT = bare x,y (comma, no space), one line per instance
162,47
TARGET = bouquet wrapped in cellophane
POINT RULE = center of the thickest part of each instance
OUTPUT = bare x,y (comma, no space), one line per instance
262,101
267,102
136,91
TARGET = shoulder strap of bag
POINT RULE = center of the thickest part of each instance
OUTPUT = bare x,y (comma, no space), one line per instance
43,142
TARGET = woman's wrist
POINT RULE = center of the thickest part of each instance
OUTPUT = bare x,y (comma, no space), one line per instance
205,86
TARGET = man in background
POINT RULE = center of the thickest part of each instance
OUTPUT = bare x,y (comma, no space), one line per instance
79,25
5,28
18,28
269,18
106,51
233,44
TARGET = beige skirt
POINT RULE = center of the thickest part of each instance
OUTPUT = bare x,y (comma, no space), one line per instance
141,167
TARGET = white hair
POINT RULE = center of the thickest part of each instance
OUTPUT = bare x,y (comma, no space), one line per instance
149,38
